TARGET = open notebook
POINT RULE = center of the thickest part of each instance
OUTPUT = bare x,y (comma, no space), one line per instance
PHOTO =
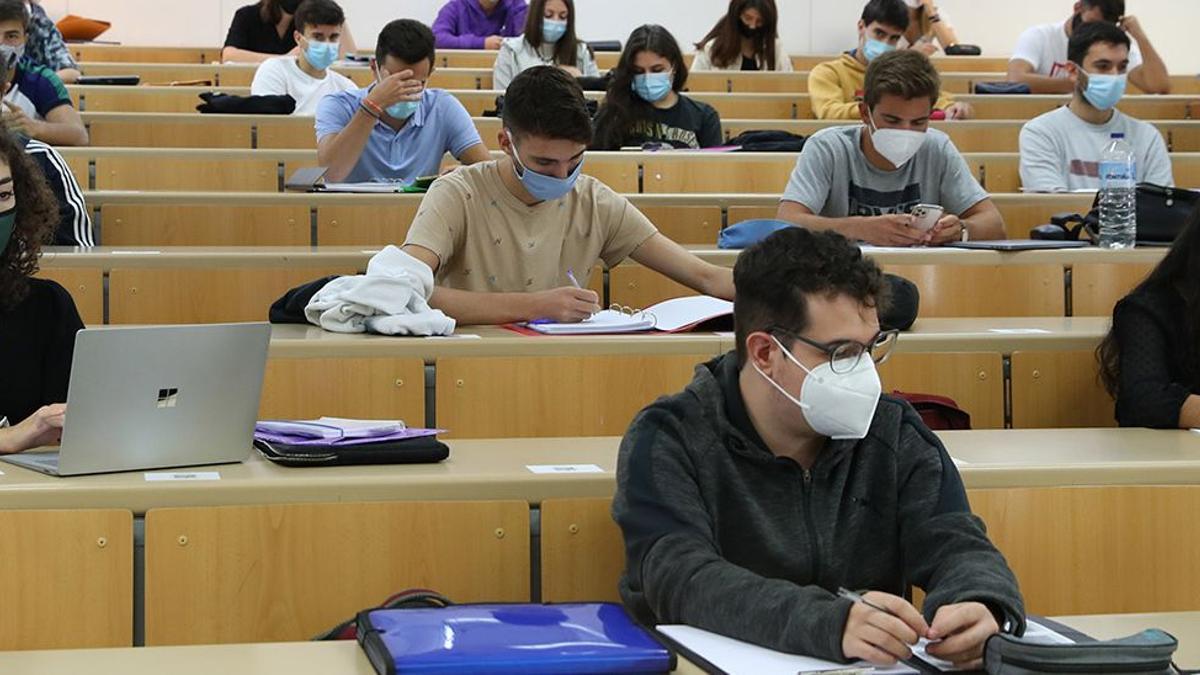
670,316
734,657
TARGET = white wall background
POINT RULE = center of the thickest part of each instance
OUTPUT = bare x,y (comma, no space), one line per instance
807,26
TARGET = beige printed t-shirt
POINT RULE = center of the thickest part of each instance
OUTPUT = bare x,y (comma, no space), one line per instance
487,240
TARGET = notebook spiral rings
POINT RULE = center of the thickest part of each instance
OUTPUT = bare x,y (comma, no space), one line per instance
634,313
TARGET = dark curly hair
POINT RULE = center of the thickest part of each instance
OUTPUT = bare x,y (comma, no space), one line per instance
37,217
774,277
1178,274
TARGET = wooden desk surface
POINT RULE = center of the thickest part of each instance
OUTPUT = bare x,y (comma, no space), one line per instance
497,469
346,657
106,257
1185,626
296,341
1004,335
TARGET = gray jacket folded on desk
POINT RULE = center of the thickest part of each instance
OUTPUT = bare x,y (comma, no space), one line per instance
722,535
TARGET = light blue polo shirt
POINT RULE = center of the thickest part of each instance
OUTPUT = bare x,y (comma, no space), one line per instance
440,125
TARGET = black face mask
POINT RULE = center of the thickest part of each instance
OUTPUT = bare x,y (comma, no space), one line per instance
749,32
289,6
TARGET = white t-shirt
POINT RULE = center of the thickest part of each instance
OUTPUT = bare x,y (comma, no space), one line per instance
1045,48
282,75
1060,152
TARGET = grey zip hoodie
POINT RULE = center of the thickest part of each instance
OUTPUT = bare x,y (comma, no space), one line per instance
722,535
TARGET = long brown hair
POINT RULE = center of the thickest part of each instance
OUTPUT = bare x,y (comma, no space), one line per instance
37,217
566,52
726,36
622,109
1178,273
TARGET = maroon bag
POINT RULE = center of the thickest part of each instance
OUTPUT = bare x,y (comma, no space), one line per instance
938,412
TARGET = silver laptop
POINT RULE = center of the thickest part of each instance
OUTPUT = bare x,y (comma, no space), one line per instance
158,397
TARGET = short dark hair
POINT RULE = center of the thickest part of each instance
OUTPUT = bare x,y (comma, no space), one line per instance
892,13
774,278
319,13
1089,34
14,10
1112,10
406,39
906,73
545,101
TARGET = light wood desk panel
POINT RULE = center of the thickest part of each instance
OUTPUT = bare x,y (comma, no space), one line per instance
374,226
86,287
170,296
363,388
583,553
66,578
553,396
216,223
249,174
140,54
1059,389
1098,288
1138,544
287,572
975,381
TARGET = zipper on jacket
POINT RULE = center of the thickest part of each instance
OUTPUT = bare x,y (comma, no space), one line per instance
1156,667
813,541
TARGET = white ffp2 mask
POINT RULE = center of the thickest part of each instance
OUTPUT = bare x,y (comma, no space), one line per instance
896,145
838,406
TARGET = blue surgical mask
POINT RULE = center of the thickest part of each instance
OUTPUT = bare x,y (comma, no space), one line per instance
553,31
401,110
1105,91
874,49
653,87
321,55
540,186
8,223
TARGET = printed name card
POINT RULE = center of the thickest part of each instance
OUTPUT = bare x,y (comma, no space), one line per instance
161,476
564,468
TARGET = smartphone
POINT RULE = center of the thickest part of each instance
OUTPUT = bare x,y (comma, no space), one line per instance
424,182
925,216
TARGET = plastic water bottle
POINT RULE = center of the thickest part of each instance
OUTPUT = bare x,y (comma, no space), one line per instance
1118,194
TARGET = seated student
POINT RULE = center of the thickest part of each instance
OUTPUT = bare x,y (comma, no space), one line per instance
927,23
396,129
864,180
478,24
644,103
36,102
306,76
74,222
780,475
1040,57
549,40
267,29
746,38
508,239
1150,360
38,319
836,87
46,46
1060,150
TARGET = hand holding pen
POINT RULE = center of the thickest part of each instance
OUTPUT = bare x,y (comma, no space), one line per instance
882,629
569,304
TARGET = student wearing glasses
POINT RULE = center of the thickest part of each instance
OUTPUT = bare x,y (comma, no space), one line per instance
780,474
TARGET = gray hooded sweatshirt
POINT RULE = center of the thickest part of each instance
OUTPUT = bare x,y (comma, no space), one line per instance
723,535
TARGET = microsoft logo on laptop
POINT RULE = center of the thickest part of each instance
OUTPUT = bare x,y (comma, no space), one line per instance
168,398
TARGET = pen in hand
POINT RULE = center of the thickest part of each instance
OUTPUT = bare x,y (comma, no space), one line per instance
915,662
571,276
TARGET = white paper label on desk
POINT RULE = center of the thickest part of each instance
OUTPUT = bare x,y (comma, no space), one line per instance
564,468
1019,331
175,475
137,252
456,336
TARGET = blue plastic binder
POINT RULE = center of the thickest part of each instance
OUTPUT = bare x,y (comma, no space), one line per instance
519,639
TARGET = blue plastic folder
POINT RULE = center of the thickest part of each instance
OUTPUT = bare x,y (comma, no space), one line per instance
510,638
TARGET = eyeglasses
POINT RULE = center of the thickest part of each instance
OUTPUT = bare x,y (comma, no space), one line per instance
844,355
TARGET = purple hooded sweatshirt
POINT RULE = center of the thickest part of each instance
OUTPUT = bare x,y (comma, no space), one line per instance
462,24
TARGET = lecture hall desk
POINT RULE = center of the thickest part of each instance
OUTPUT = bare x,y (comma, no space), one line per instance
347,658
